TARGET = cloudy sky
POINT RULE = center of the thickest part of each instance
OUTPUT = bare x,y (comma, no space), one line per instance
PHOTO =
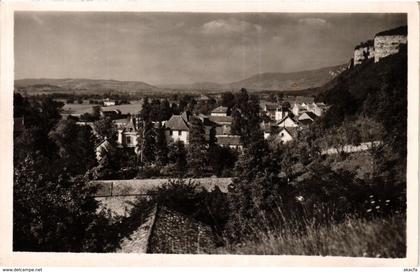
161,48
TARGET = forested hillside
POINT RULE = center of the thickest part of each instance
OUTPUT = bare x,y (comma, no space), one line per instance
375,90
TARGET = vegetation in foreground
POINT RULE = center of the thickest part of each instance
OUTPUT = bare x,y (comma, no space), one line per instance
354,237
291,192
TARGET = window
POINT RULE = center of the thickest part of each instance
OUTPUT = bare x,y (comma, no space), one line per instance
128,140
170,132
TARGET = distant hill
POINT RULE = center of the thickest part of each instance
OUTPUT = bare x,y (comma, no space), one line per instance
83,85
296,81
289,81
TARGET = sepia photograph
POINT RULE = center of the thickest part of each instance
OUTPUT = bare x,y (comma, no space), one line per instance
210,133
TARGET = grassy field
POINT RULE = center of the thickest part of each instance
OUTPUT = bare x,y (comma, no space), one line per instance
379,238
78,109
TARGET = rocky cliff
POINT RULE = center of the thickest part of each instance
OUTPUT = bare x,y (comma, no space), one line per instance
384,44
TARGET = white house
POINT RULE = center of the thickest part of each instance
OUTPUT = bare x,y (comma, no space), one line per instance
280,113
298,108
286,135
108,102
178,128
127,135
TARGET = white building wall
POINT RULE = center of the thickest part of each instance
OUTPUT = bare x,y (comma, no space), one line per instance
177,135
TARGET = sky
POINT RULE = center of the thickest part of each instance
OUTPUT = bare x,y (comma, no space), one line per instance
165,48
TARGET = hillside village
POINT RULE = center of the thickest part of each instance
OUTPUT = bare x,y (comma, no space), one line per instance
220,172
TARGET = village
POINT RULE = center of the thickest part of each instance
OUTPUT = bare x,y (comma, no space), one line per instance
198,156
282,121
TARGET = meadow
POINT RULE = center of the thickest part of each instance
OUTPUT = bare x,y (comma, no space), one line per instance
79,109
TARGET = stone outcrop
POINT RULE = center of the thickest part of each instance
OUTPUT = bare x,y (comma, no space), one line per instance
384,44
389,42
363,52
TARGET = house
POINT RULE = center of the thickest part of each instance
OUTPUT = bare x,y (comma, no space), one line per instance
268,129
281,113
270,109
108,102
317,108
297,108
288,121
219,111
177,128
222,124
231,141
307,118
127,135
101,149
286,135
121,123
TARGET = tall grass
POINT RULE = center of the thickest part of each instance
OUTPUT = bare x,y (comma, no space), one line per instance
355,237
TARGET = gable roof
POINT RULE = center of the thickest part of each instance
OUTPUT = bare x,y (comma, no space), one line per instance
177,122
130,126
291,118
309,114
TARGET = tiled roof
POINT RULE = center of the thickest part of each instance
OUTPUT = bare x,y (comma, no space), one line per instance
220,109
176,122
287,116
130,126
221,119
309,114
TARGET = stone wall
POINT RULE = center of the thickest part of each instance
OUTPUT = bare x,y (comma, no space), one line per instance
388,45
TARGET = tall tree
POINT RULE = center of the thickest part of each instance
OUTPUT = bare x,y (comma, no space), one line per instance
51,213
246,117
161,146
75,146
146,142
197,149
177,156
105,129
